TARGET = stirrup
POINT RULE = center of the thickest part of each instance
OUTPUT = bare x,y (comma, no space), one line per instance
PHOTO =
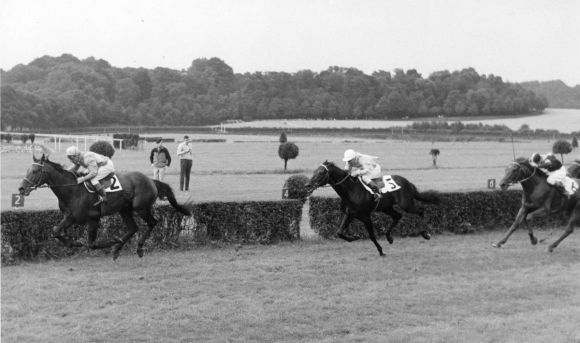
377,196
101,200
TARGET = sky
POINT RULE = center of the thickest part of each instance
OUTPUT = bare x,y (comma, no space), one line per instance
519,40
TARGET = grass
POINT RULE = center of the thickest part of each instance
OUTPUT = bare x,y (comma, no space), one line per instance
250,169
449,289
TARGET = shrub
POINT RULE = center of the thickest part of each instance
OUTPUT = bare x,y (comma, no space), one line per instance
129,140
102,147
287,151
562,147
294,187
283,138
26,235
32,137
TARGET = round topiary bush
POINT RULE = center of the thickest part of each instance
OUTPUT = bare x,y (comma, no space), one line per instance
102,147
295,187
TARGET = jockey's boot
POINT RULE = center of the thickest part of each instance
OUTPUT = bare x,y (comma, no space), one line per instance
377,192
102,195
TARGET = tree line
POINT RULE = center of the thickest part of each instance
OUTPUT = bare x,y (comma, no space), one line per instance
60,92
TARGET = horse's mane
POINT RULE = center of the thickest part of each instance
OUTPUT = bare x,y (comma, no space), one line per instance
58,167
526,162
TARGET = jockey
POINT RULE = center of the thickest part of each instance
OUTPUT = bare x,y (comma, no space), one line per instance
99,166
557,175
366,167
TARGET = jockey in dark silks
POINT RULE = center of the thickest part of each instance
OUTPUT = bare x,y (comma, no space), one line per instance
556,171
99,167
366,167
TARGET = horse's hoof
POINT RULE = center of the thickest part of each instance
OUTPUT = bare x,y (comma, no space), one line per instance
390,239
534,241
496,245
426,235
550,249
383,255
140,252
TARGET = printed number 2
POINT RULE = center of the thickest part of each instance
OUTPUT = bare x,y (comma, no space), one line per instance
114,184
17,200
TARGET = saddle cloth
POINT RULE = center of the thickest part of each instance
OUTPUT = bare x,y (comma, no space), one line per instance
110,183
386,184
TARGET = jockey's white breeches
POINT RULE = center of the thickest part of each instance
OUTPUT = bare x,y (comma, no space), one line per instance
559,177
372,174
103,171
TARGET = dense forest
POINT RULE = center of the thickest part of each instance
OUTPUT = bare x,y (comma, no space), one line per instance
61,92
557,92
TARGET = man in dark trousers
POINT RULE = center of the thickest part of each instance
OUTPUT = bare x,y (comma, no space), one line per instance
186,157
160,160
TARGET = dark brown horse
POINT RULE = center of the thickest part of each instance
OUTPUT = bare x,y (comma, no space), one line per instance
138,195
358,203
538,199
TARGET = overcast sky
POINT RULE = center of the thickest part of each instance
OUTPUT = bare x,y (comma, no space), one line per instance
519,40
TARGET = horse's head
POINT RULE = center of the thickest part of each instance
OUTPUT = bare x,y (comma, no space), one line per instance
325,174
518,170
35,176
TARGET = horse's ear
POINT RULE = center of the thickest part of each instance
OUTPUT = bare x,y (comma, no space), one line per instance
36,160
43,158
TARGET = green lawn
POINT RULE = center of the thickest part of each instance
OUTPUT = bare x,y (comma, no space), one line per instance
449,289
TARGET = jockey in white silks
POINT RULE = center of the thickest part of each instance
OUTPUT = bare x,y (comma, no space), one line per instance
557,174
99,167
366,167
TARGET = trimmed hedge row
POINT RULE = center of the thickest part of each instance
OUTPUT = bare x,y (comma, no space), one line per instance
28,235
458,213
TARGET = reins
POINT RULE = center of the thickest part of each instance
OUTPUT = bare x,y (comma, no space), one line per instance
520,171
328,175
36,185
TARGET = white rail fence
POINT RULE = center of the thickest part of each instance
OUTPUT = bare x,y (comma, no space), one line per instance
59,142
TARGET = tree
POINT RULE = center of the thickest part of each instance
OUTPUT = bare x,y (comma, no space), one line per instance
562,147
434,154
287,151
574,142
283,138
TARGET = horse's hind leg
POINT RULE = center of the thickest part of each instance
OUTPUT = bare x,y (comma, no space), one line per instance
92,230
409,207
132,228
574,219
151,222
396,216
57,231
371,232
520,217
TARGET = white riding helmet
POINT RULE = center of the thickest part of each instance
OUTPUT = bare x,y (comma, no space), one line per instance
72,151
349,155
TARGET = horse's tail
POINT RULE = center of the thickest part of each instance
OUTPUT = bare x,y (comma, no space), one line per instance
430,197
165,191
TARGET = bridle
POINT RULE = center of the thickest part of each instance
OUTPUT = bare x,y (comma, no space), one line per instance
328,177
39,184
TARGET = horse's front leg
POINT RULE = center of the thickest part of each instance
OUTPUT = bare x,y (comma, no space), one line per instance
345,222
57,232
522,213
371,231
537,213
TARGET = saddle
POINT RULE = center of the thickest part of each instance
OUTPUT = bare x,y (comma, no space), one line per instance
110,183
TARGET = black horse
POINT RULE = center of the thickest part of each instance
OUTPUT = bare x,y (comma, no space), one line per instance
358,203
138,195
538,199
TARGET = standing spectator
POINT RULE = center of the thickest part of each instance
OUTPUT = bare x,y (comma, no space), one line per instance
160,160
186,157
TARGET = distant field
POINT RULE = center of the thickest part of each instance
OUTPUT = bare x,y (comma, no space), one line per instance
248,168
449,289
563,120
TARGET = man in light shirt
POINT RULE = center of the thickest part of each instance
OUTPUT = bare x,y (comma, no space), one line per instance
186,159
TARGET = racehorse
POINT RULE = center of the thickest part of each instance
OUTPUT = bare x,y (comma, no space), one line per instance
358,203
138,195
538,199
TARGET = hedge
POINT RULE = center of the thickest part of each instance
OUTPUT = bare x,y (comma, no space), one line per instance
27,235
458,213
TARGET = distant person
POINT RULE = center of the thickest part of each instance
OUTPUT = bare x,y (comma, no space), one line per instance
99,167
365,166
160,160
186,160
556,171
